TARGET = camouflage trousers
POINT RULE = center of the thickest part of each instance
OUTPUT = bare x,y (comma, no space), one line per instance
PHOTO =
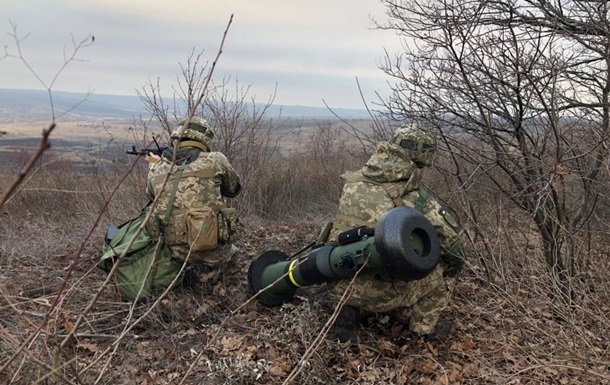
213,258
428,296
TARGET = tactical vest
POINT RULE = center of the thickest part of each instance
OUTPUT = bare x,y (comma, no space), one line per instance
175,228
394,190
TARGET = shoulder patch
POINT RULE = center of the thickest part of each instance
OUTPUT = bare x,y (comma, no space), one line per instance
443,212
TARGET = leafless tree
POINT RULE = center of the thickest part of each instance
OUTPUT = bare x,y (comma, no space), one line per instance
190,83
367,138
518,92
244,130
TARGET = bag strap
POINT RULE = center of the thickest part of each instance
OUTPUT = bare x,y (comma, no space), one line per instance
172,197
421,200
395,193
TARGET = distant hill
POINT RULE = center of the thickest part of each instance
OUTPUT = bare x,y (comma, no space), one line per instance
34,105
17,104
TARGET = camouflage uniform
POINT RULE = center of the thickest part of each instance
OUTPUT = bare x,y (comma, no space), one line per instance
389,178
207,178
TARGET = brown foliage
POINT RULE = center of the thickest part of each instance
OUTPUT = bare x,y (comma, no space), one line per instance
504,332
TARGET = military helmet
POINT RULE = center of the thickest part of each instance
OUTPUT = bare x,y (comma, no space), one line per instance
198,129
420,145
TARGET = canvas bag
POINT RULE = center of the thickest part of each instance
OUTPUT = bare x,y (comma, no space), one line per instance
202,229
208,227
148,268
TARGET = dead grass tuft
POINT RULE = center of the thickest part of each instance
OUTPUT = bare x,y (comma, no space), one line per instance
506,331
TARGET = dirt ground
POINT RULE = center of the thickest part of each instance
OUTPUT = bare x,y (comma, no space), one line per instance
506,332
197,336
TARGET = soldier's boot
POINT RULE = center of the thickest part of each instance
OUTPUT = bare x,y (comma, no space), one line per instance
346,325
441,330
192,273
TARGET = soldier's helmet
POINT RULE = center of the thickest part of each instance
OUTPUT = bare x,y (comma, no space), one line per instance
198,129
420,145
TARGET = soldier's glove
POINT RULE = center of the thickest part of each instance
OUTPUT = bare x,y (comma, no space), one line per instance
454,261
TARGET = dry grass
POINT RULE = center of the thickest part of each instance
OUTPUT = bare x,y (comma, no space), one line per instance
506,332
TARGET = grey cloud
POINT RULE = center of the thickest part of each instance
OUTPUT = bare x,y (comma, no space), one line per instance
338,92
309,62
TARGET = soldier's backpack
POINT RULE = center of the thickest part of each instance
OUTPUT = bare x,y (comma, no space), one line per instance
145,265
146,269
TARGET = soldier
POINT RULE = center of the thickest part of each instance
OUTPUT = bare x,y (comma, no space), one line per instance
200,225
390,178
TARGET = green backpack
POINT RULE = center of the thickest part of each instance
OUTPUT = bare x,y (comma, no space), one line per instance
148,267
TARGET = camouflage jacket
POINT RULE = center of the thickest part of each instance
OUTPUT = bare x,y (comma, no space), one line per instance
368,192
203,183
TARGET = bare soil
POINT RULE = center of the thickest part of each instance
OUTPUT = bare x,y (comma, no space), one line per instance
498,336
507,331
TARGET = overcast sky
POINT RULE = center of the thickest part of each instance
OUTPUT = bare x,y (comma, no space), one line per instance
313,49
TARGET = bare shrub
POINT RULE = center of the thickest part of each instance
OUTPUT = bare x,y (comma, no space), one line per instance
63,323
512,102
276,183
302,181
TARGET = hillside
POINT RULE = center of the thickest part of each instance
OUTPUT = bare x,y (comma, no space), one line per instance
18,105
505,330
509,326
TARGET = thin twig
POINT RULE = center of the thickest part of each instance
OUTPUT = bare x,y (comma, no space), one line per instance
229,316
42,147
325,329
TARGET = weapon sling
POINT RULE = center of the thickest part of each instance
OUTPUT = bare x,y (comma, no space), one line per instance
168,213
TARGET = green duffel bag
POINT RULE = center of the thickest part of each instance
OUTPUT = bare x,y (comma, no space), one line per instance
148,267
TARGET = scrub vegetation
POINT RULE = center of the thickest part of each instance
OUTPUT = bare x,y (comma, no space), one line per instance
508,325
523,162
